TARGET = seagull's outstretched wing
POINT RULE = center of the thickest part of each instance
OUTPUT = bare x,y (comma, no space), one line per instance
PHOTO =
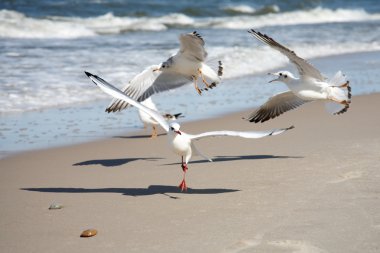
304,68
275,106
167,80
135,88
146,84
114,92
248,135
192,45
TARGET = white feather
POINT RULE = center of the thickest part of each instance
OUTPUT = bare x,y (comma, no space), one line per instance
333,108
114,92
146,118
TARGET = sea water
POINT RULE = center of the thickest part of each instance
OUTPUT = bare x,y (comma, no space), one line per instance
45,47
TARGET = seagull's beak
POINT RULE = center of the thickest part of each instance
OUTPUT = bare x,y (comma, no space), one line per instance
274,80
178,132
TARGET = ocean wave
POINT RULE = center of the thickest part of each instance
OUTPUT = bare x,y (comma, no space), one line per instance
20,96
239,9
249,10
299,17
241,61
16,25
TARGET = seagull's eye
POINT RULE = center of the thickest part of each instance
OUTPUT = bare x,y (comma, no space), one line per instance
285,76
172,128
280,74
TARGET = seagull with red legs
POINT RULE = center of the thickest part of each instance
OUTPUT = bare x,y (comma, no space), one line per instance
180,142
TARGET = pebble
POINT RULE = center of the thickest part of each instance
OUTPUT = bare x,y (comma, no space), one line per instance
89,233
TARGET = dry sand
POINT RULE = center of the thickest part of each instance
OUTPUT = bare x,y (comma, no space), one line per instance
315,188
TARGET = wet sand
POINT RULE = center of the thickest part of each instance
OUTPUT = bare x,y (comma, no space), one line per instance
312,189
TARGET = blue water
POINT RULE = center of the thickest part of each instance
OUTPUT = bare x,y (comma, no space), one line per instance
46,100
138,8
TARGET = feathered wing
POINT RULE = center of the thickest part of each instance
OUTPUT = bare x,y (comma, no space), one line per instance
248,135
135,88
167,80
275,106
304,68
116,93
212,77
335,108
151,105
338,79
339,93
192,46
197,152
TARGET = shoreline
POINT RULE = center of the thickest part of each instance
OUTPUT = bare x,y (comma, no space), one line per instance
72,125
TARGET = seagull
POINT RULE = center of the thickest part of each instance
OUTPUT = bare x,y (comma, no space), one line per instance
310,86
186,66
148,120
180,142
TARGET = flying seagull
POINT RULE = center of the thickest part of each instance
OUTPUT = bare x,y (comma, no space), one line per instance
186,66
148,120
311,85
180,142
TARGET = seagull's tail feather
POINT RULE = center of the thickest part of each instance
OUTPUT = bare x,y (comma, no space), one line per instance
197,152
339,90
169,116
178,115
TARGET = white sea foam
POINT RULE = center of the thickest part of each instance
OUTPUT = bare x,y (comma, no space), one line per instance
240,61
314,16
240,9
249,10
17,25
237,61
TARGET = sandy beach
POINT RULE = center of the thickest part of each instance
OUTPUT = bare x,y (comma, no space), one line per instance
312,189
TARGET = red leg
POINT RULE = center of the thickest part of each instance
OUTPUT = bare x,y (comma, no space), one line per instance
182,185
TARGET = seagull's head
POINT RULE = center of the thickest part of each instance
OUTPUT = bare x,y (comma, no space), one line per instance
282,76
174,127
164,65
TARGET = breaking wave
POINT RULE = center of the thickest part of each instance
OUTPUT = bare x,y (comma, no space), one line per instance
17,25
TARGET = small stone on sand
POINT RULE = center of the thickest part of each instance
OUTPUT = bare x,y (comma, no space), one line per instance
89,233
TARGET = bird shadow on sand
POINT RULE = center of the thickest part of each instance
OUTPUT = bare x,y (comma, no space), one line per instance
151,190
114,162
243,157
143,136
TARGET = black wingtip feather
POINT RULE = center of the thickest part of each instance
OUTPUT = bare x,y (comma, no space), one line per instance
291,127
88,74
198,35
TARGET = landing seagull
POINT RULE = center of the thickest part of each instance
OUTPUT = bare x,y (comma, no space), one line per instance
180,142
148,120
186,66
310,86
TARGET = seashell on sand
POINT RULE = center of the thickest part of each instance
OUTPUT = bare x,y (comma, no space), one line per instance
89,233
55,206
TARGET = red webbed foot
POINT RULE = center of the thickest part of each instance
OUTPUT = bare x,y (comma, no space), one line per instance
183,186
